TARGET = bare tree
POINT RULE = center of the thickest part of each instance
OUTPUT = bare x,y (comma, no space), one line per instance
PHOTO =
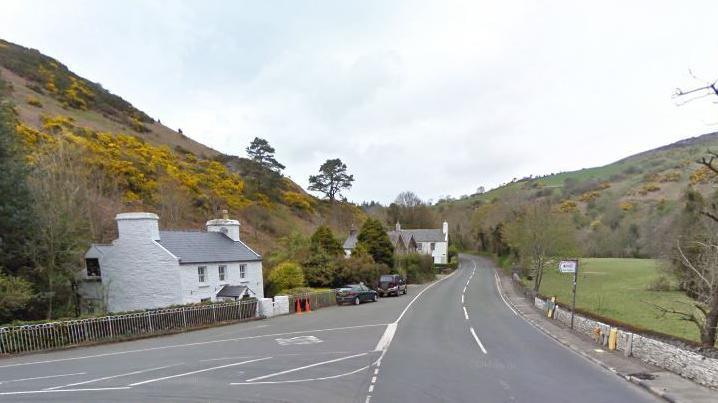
702,91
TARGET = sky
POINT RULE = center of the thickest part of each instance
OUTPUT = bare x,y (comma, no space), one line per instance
436,97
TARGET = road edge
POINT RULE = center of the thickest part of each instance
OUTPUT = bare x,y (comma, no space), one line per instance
632,379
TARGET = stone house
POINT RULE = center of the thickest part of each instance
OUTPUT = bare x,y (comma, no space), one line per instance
146,268
433,242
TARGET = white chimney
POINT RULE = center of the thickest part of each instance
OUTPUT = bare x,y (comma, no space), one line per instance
445,230
138,225
225,225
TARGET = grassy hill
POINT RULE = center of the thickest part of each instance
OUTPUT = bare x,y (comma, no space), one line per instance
639,193
136,163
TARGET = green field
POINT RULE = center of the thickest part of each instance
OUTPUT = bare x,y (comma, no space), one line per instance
616,288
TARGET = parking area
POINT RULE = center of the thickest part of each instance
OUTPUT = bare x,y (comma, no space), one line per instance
322,355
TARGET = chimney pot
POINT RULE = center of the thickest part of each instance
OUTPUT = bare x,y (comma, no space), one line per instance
225,214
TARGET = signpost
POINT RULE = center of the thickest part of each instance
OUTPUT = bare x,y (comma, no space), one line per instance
570,266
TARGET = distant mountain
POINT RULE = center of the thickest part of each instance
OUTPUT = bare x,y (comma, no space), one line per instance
143,165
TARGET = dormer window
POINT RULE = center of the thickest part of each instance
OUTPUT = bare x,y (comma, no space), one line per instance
93,267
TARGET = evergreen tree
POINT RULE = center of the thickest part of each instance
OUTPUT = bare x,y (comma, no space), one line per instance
262,153
374,239
16,216
332,179
265,169
323,240
324,250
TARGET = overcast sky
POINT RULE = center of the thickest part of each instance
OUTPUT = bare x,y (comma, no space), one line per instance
436,97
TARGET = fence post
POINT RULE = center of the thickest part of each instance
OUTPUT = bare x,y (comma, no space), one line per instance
184,318
149,321
2,344
214,315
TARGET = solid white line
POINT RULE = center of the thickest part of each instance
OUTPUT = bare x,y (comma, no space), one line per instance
30,392
200,343
387,337
501,294
481,346
419,294
302,380
111,377
227,358
466,314
259,378
41,377
198,371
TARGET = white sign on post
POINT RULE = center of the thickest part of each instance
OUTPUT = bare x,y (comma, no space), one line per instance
567,266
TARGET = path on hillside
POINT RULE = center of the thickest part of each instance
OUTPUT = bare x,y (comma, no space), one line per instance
423,347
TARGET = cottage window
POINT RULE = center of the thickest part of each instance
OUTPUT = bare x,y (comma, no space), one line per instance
433,246
202,274
242,270
93,267
418,246
222,272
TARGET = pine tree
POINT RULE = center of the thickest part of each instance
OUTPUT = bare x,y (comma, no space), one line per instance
332,179
374,239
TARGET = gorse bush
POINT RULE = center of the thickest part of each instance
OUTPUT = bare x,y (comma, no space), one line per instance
286,276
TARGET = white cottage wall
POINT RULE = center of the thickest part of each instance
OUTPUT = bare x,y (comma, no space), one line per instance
138,273
193,291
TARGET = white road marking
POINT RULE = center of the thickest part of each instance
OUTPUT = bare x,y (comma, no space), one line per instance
198,371
111,377
462,298
30,392
259,378
199,343
299,340
303,380
41,377
373,379
228,358
481,346
376,371
371,388
466,314
386,337
368,398
501,294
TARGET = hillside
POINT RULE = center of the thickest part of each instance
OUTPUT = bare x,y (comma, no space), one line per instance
133,162
622,209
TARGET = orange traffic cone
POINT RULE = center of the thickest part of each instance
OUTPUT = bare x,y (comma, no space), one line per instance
298,306
308,306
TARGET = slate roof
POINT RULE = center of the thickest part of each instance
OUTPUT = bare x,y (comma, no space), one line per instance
232,291
206,247
423,235
351,241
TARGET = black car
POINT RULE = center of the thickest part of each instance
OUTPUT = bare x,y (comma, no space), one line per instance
391,284
355,294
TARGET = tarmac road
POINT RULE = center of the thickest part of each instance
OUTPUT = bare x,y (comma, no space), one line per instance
422,347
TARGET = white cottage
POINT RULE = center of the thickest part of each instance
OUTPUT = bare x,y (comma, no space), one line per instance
147,268
433,242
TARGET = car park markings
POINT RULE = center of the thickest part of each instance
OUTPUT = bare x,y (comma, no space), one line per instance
272,375
31,392
41,377
199,343
197,371
111,377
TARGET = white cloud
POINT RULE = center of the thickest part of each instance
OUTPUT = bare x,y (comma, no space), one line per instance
436,97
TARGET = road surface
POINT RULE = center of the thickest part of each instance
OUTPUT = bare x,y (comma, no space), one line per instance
454,340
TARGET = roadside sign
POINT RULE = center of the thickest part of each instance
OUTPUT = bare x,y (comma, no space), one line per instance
567,266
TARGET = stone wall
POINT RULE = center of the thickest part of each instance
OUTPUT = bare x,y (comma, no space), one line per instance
690,365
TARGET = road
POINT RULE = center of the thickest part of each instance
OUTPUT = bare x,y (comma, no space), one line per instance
454,340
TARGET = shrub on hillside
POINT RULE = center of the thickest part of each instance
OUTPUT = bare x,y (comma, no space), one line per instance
415,267
33,101
287,275
359,268
660,283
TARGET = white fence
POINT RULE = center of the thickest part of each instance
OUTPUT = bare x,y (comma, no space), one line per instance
53,335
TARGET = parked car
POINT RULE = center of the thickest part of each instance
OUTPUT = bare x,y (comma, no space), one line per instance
391,284
355,294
